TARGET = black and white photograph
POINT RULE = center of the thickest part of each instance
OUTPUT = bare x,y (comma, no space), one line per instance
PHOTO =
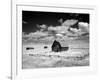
55,39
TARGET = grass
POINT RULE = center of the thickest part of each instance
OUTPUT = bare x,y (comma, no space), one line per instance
77,55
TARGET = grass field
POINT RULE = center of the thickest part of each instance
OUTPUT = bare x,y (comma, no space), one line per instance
77,55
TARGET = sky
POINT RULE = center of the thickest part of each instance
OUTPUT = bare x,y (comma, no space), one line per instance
32,19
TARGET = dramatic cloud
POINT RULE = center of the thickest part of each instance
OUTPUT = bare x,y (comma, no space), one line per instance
64,31
84,27
58,29
69,22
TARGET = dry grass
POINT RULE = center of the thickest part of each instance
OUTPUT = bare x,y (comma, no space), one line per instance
77,55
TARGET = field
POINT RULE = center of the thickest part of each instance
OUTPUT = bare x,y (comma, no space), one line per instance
39,57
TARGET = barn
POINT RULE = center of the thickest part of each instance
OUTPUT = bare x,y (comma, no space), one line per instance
56,47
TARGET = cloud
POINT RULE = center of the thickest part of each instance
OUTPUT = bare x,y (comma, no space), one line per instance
74,30
58,29
59,35
63,31
24,34
60,20
63,28
48,38
38,34
83,27
69,22
43,26
24,22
